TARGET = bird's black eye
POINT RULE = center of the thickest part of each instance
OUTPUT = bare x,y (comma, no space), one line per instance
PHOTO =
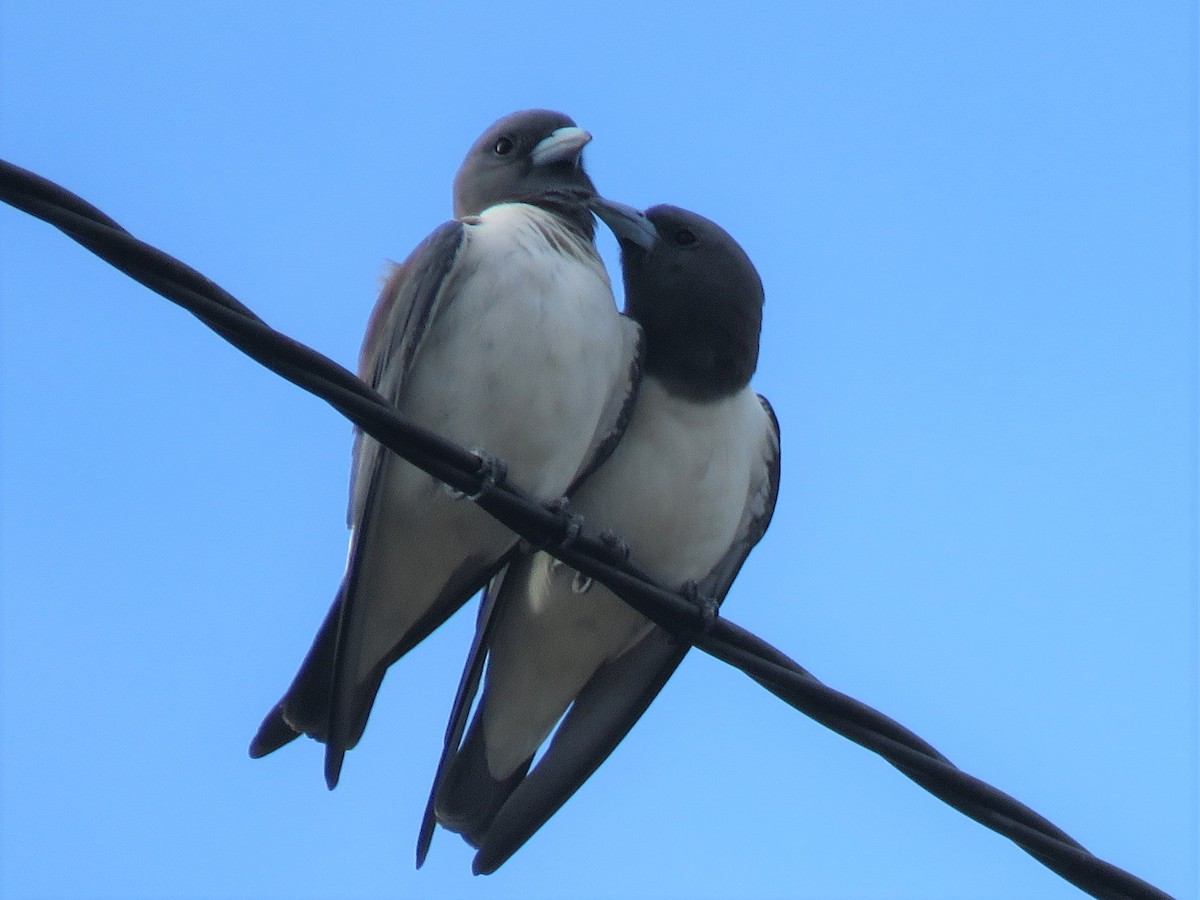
684,237
503,146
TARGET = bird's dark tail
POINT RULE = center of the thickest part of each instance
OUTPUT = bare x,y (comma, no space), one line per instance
469,796
304,709
272,734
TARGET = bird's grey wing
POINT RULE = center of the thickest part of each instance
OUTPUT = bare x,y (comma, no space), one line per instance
756,515
615,417
620,691
406,307
399,321
468,687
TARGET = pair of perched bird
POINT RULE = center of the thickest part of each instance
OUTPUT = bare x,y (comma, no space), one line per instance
500,332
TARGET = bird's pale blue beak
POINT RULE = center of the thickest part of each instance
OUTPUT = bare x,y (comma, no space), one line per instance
561,145
627,223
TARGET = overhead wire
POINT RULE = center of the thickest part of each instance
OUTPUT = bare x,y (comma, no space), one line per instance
556,529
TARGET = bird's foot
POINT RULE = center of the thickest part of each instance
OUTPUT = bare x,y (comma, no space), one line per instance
492,472
706,609
615,544
618,551
571,529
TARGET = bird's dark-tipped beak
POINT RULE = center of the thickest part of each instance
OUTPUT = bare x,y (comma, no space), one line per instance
627,223
561,145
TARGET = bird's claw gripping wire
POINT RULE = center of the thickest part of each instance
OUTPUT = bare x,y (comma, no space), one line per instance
492,472
706,610
615,544
571,529
574,524
618,550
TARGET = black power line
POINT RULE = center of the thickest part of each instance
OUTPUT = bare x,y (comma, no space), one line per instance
557,531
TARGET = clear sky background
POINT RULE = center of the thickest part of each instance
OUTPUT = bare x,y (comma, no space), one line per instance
976,223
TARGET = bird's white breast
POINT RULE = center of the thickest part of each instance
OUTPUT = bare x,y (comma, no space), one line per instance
675,489
676,486
529,346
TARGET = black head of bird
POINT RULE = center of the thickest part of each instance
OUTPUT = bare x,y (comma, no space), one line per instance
695,293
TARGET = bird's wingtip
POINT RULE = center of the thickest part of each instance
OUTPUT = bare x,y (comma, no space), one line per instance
425,835
485,862
272,734
333,766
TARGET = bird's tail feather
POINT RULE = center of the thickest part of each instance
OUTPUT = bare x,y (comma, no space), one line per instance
272,734
469,796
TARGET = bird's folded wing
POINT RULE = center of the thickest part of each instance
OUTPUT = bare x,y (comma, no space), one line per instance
614,698
409,304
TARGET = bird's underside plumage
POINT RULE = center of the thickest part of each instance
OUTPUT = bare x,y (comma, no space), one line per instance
499,332
691,487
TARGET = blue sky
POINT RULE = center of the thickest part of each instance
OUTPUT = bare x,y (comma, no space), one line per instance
976,224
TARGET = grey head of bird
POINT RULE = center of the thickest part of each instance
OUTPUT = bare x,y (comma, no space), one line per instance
524,155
